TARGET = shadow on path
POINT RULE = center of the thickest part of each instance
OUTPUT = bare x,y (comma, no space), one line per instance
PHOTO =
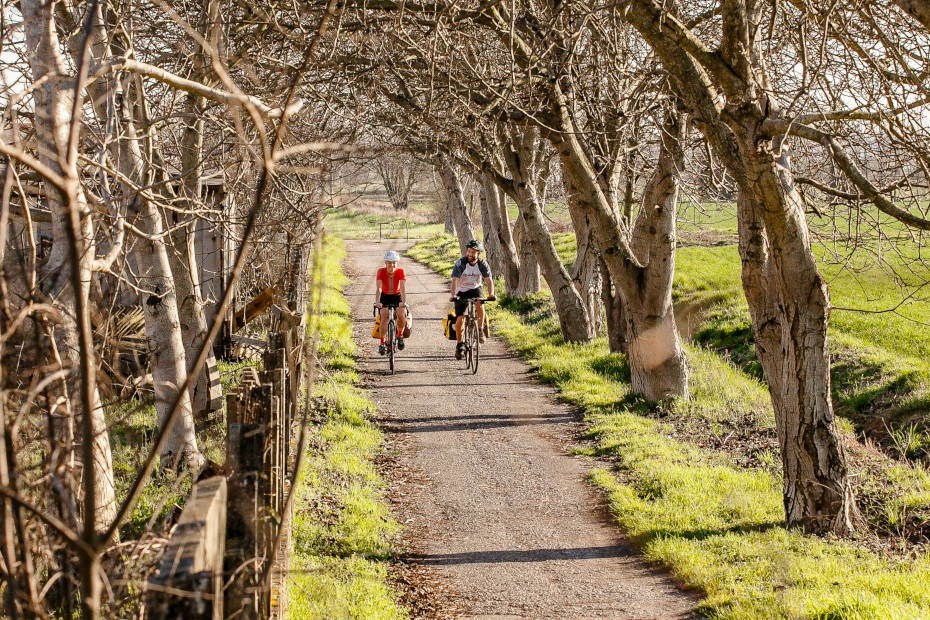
528,555
501,422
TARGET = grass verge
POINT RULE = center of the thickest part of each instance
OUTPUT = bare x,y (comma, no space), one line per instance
342,526
713,518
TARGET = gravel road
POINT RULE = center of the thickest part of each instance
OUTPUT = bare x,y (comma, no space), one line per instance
499,521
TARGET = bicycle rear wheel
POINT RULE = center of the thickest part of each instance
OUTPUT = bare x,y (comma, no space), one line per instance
391,343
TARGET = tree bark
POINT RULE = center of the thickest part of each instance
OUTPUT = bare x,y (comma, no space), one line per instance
521,154
787,298
489,225
54,103
207,392
657,361
658,367
72,223
586,272
510,256
165,342
528,283
455,201
615,317
789,305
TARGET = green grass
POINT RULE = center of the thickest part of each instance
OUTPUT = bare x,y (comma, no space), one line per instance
348,223
132,428
342,527
712,515
881,360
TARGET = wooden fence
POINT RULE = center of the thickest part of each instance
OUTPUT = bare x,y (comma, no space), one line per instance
228,554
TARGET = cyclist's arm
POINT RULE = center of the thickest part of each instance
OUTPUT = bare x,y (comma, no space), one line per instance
377,290
490,284
456,273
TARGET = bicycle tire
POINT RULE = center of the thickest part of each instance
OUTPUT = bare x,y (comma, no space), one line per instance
477,336
465,334
392,342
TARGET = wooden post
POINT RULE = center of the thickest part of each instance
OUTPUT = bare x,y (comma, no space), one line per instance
189,582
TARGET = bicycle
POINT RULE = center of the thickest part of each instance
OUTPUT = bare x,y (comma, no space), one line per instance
471,340
390,339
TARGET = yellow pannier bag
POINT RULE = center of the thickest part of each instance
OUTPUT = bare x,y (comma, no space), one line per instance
448,325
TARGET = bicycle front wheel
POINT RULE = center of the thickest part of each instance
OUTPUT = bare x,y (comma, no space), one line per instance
471,341
391,343
477,343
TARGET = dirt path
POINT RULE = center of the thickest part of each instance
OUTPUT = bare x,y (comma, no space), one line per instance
493,505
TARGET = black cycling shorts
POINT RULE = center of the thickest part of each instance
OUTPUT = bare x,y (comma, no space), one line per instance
390,300
460,304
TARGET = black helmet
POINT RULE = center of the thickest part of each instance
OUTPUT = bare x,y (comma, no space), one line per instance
475,244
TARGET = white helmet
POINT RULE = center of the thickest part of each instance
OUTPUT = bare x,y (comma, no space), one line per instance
391,256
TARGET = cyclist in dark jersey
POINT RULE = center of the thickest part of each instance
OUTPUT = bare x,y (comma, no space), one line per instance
467,276
390,291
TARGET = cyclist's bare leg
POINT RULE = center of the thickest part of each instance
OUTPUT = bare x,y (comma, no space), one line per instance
459,321
384,322
479,312
401,319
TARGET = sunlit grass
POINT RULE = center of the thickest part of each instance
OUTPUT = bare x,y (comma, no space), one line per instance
342,526
348,223
881,360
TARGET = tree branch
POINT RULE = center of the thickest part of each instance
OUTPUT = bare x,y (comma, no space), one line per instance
120,63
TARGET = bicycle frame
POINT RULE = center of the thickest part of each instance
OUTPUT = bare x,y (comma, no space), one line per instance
470,336
390,338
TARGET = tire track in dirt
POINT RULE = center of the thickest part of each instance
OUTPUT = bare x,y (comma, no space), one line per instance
499,520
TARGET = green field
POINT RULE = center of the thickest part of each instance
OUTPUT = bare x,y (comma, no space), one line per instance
349,223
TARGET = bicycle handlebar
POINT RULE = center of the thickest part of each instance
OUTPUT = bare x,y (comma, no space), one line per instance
474,299
374,307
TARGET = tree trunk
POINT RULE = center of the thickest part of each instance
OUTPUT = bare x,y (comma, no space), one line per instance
160,307
489,225
207,392
658,367
615,317
54,102
586,272
644,277
529,282
455,201
787,297
789,305
510,255
521,155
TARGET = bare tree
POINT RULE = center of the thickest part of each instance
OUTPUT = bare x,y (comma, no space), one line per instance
398,173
